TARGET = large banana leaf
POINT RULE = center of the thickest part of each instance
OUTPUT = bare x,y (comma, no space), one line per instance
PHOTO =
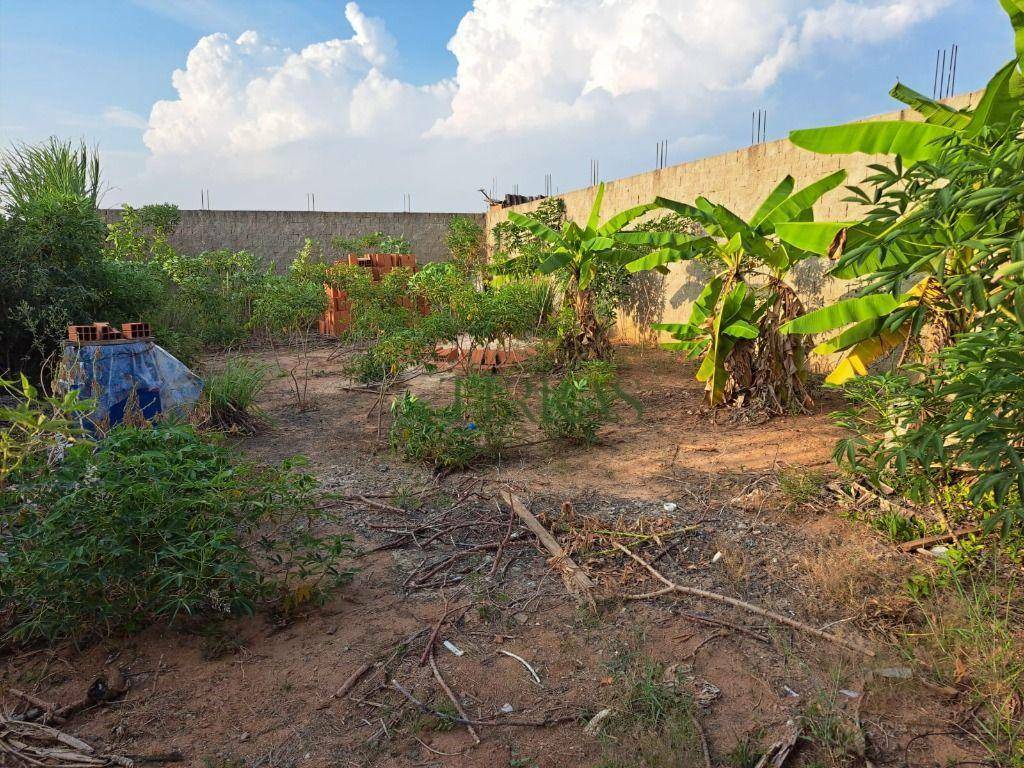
663,256
538,228
804,200
857,359
554,262
598,243
912,141
843,313
619,220
657,239
595,211
741,329
777,195
1002,98
932,111
697,214
855,334
1015,10
813,236
705,303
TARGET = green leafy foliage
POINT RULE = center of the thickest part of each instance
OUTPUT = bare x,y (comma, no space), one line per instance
36,429
580,404
734,325
287,310
949,224
465,243
51,238
480,423
588,261
152,524
962,416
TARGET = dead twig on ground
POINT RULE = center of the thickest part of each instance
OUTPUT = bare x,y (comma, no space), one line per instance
719,623
705,750
452,697
671,586
503,722
577,582
35,744
941,538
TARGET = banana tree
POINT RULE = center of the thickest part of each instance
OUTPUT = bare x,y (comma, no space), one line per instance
735,320
581,254
939,225
915,141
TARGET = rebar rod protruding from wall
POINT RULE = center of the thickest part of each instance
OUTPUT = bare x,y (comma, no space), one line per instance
953,59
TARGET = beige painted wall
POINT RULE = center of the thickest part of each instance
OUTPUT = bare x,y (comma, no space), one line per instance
740,180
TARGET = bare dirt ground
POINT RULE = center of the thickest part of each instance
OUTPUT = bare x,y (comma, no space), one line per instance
258,692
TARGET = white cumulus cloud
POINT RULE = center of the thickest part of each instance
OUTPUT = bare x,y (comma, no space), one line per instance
533,78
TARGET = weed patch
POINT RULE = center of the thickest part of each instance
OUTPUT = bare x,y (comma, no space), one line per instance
153,524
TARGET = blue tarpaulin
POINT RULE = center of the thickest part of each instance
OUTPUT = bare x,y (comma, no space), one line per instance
139,378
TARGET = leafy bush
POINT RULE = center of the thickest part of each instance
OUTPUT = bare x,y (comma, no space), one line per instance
51,239
465,242
439,435
961,417
579,405
481,422
214,294
150,524
289,308
489,410
35,431
232,393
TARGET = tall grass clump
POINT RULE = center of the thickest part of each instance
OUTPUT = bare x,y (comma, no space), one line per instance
232,394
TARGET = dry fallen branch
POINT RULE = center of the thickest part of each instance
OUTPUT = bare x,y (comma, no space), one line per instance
35,744
671,586
452,697
941,538
576,579
503,722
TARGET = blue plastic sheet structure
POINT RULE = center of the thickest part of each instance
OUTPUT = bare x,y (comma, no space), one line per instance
132,381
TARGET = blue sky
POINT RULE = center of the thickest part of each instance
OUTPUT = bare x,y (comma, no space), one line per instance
542,87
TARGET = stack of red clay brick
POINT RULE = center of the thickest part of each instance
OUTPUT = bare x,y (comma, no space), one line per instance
95,333
484,358
338,316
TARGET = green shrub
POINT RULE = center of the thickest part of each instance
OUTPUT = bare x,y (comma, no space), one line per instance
214,294
35,431
151,524
465,242
958,417
51,239
579,405
232,393
481,422
287,310
423,432
489,410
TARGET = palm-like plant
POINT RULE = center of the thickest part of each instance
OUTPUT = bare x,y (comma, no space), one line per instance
582,253
942,221
734,322
55,168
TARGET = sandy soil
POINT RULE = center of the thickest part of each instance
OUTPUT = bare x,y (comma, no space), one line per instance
258,692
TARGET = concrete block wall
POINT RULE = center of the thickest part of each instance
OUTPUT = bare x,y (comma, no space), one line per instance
276,236
740,180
